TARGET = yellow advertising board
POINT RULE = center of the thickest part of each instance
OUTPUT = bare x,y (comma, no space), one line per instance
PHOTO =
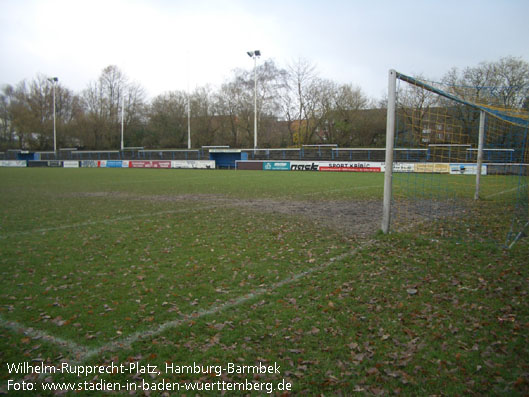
437,168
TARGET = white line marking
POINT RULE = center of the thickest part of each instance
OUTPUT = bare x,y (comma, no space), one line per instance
104,221
74,348
342,190
505,191
129,340
130,217
81,353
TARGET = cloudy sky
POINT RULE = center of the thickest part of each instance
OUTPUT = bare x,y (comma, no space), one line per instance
167,45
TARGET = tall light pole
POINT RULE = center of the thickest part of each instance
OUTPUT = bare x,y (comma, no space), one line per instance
188,107
123,122
254,54
188,122
54,81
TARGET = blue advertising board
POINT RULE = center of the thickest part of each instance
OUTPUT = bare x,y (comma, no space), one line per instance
114,163
276,165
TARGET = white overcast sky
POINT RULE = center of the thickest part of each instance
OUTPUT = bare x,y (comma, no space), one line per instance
166,45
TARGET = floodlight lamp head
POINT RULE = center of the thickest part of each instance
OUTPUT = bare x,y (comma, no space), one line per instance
250,54
257,53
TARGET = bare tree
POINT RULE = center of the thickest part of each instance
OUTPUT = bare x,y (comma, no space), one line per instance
503,84
7,130
103,102
236,102
349,121
204,121
512,79
415,104
167,121
29,113
300,102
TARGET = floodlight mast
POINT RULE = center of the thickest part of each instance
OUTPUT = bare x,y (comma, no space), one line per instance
188,122
123,122
188,107
54,81
254,54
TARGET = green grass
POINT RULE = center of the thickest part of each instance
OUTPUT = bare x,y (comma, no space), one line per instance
105,259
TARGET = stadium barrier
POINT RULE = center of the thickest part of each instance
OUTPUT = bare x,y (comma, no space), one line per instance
13,163
70,164
326,166
367,166
175,164
167,164
310,166
44,163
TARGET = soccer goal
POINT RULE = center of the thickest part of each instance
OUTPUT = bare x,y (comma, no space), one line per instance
472,179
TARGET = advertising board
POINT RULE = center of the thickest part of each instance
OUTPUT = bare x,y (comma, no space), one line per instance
252,165
70,164
436,168
351,167
403,167
202,164
37,163
114,163
467,169
276,165
336,166
89,163
304,166
143,163
13,163
149,164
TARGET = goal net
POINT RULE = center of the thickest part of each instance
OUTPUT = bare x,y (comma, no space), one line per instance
469,179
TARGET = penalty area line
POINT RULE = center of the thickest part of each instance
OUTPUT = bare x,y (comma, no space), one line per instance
104,221
344,189
72,347
129,340
79,354
505,191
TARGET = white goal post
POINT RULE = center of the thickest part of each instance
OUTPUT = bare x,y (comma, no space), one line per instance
456,128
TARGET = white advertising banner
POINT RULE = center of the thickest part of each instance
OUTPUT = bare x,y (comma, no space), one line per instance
203,164
337,166
403,167
89,163
13,163
70,164
467,169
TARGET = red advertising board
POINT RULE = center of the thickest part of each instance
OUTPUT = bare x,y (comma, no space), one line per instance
351,169
149,164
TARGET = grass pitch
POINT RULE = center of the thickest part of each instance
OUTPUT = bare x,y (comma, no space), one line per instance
184,267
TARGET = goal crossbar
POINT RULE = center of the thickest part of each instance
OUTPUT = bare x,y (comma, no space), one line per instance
522,120
472,127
